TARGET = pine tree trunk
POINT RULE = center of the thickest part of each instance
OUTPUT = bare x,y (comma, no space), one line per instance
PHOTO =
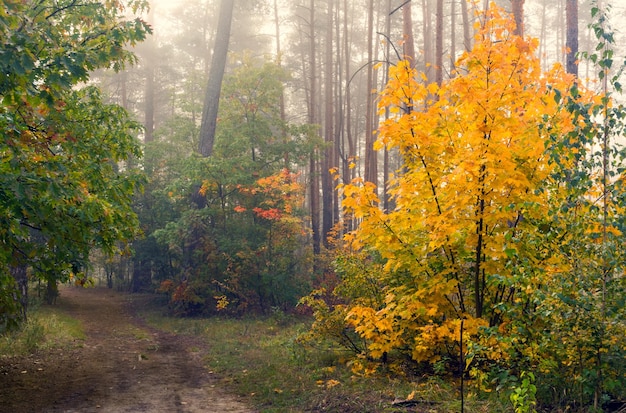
571,43
313,170
19,274
371,162
407,33
216,74
452,37
428,42
348,146
467,37
439,43
327,182
518,14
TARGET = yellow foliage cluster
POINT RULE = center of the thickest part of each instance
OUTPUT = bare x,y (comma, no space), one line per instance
467,198
502,222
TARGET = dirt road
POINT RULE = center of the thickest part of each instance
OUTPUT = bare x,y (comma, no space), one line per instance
122,366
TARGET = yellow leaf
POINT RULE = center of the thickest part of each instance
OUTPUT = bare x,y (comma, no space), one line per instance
332,383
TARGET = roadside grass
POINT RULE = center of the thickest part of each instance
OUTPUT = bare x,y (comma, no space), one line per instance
47,327
261,360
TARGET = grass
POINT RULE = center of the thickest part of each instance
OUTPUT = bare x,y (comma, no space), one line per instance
47,327
261,360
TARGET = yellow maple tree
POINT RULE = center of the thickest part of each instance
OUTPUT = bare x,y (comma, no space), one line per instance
474,156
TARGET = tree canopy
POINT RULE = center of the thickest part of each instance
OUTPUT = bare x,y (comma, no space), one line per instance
64,186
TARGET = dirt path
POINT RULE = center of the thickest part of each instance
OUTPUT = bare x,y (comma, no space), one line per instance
122,366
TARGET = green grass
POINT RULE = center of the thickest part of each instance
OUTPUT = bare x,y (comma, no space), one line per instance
261,360
47,327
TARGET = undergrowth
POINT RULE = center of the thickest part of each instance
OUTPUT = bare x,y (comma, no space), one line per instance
47,327
262,360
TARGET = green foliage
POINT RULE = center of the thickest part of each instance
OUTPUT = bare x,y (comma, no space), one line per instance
267,365
582,303
9,307
62,189
523,396
46,328
235,234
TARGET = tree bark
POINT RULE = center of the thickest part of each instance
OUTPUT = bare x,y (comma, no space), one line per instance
407,33
338,94
371,161
279,62
571,43
327,183
518,14
19,274
452,37
216,74
439,43
313,170
428,41
149,90
467,38
348,147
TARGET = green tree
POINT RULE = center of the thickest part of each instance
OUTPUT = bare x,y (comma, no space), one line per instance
239,234
583,301
63,186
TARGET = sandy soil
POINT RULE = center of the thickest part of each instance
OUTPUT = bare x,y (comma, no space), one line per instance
122,366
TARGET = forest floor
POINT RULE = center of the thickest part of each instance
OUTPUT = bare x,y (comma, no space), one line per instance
122,365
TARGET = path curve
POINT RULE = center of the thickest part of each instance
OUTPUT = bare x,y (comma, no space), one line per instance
122,366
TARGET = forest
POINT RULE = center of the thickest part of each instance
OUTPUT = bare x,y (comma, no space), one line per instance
438,186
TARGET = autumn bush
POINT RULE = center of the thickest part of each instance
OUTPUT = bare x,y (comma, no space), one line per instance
507,221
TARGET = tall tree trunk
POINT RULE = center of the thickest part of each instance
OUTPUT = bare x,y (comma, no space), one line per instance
439,43
279,59
467,37
407,33
313,170
560,34
149,91
371,162
327,182
141,276
452,37
19,274
408,43
348,147
542,37
518,13
428,41
216,74
149,111
571,43
123,80
338,107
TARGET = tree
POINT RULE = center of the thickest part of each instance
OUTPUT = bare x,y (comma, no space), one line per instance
239,235
470,159
571,43
518,13
507,220
427,36
314,181
63,193
328,154
371,158
408,42
439,43
216,74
